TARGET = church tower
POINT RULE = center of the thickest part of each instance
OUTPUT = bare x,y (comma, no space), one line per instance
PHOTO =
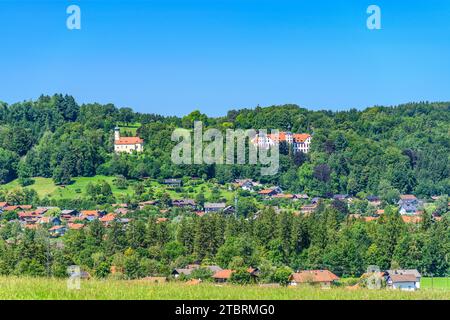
116,133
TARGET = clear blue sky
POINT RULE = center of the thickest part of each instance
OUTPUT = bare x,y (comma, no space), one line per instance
171,57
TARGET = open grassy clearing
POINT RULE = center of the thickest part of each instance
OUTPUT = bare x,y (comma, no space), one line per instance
46,187
129,128
42,289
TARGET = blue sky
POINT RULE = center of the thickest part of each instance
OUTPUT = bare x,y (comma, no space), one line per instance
171,57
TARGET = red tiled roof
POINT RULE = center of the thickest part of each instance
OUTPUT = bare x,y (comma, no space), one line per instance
10,208
75,226
301,137
89,212
26,214
284,196
266,191
313,276
129,140
55,228
3,204
223,274
108,218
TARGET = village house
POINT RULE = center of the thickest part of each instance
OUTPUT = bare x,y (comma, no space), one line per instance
57,231
409,205
66,214
309,208
127,144
54,221
173,183
107,219
341,197
246,184
90,215
142,205
323,278
374,201
214,207
223,275
189,268
184,203
284,196
302,196
270,192
300,142
75,226
407,280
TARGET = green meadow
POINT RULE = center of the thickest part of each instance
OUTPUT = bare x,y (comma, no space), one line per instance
56,289
46,187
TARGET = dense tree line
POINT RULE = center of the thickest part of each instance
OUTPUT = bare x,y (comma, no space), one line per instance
276,243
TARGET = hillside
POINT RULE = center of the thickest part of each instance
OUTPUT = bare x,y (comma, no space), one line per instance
379,150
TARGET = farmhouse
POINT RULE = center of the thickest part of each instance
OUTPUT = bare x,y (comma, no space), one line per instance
183,203
214,207
323,278
246,184
408,279
223,275
127,144
173,183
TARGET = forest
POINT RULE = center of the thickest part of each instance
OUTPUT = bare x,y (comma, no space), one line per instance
384,151
379,150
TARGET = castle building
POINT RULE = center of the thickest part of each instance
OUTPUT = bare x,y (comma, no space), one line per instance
127,144
301,142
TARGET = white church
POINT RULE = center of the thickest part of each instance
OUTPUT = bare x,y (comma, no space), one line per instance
127,144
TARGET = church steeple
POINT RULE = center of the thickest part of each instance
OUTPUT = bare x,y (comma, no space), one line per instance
116,133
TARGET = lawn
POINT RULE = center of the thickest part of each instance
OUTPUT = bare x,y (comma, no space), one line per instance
129,128
46,187
435,283
33,288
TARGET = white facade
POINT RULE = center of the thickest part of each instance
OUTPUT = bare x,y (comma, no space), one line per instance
406,286
299,142
127,144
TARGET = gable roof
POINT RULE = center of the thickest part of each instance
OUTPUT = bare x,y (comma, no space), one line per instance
89,213
75,226
108,218
129,140
403,277
408,197
301,137
405,271
218,205
313,276
223,274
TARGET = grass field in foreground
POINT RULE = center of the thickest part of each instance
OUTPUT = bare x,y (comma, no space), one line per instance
42,289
